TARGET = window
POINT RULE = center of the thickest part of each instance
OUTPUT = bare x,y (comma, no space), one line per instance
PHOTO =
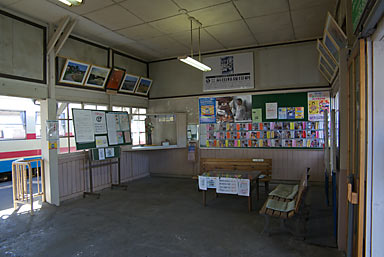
121,109
95,107
38,124
12,125
66,131
138,126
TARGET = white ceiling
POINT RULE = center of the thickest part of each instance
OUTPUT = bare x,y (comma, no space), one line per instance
156,29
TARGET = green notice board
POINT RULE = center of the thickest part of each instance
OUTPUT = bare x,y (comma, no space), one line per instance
100,129
358,7
282,100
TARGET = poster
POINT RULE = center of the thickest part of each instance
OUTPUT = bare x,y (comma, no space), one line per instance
124,121
212,182
127,137
270,111
282,113
207,110
111,124
84,130
299,112
120,137
318,102
290,113
101,154
99,123
243,187
227,186
101,141
224,109
242,108
202,183
257,115
229,72
52,129
109,152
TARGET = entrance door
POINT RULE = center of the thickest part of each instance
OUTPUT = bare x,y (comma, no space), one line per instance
357,146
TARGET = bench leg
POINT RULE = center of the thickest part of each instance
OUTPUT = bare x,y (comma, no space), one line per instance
204,197
250,203
266,187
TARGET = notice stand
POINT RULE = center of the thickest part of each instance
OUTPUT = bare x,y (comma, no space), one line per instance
94,156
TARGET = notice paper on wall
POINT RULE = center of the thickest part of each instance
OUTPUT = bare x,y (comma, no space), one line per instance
99,123
257,115
124,121
202,183
101,141
110,152
244,187
84,130
270,111
112,133
101,154
227,186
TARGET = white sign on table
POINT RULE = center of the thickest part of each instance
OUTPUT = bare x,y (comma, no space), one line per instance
244,187
212,182
202,183
227,186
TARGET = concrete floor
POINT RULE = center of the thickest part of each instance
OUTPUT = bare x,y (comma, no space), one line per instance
156,217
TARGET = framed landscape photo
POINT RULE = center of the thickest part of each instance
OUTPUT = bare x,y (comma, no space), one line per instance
74,72
129,83
97,76
115,78
143,86
336,33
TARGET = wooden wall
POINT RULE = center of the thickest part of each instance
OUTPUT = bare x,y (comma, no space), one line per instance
74,172
287,164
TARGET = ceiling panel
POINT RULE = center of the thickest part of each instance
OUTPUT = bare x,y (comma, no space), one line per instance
191,5
303,4
139,50
309,22
88,6
207,42
271,23
114,17
253,8
164,44
217,14
233,34
8,2
279,36
160,9
173,24
140,32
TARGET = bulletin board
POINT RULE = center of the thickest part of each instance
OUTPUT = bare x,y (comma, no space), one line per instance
100,129
282,100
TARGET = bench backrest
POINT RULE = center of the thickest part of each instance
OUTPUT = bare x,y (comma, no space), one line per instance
210,164
302,188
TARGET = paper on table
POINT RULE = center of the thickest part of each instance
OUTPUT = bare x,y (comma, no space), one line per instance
84,131
101,154
244,187
99,123
111,124
212,182
270,111
202,183
101,141
124,121
227,186
109,152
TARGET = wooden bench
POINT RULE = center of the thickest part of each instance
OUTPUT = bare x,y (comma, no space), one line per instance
262,166
282,215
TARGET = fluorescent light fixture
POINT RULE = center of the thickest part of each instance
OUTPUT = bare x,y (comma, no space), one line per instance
194,63
71,2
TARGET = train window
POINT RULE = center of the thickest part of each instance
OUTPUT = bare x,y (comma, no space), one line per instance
12,125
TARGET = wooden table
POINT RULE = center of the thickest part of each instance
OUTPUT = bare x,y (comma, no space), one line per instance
253,177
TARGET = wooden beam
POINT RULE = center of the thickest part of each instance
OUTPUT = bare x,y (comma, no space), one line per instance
67,31
52,42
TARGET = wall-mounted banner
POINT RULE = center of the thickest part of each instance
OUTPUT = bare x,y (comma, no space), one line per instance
229,72
207,110
318,102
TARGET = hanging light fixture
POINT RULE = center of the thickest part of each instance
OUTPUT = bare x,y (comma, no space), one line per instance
189,59
71,2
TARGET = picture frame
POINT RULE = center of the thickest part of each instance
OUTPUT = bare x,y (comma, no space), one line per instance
331,46
325,74
115,78
74,72
326,66
129,83
97,76
143,87
335,32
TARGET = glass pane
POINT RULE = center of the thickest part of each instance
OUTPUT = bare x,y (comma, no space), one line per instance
73,106
90,106
12,118
12,132
116,108
126,109
135,138
135,110
142,138
37,118
62,128
142,117
102,107
142,111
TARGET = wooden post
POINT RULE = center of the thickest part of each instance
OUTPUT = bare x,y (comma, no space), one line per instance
14,184
30,186
42,179
204,197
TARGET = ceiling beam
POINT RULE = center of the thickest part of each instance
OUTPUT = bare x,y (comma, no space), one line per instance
52,42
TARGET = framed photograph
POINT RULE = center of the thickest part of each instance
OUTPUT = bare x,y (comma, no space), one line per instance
327,76
129,83
326,66
115,78
144,86
336,33
74,72
328,57
331,46
97,76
